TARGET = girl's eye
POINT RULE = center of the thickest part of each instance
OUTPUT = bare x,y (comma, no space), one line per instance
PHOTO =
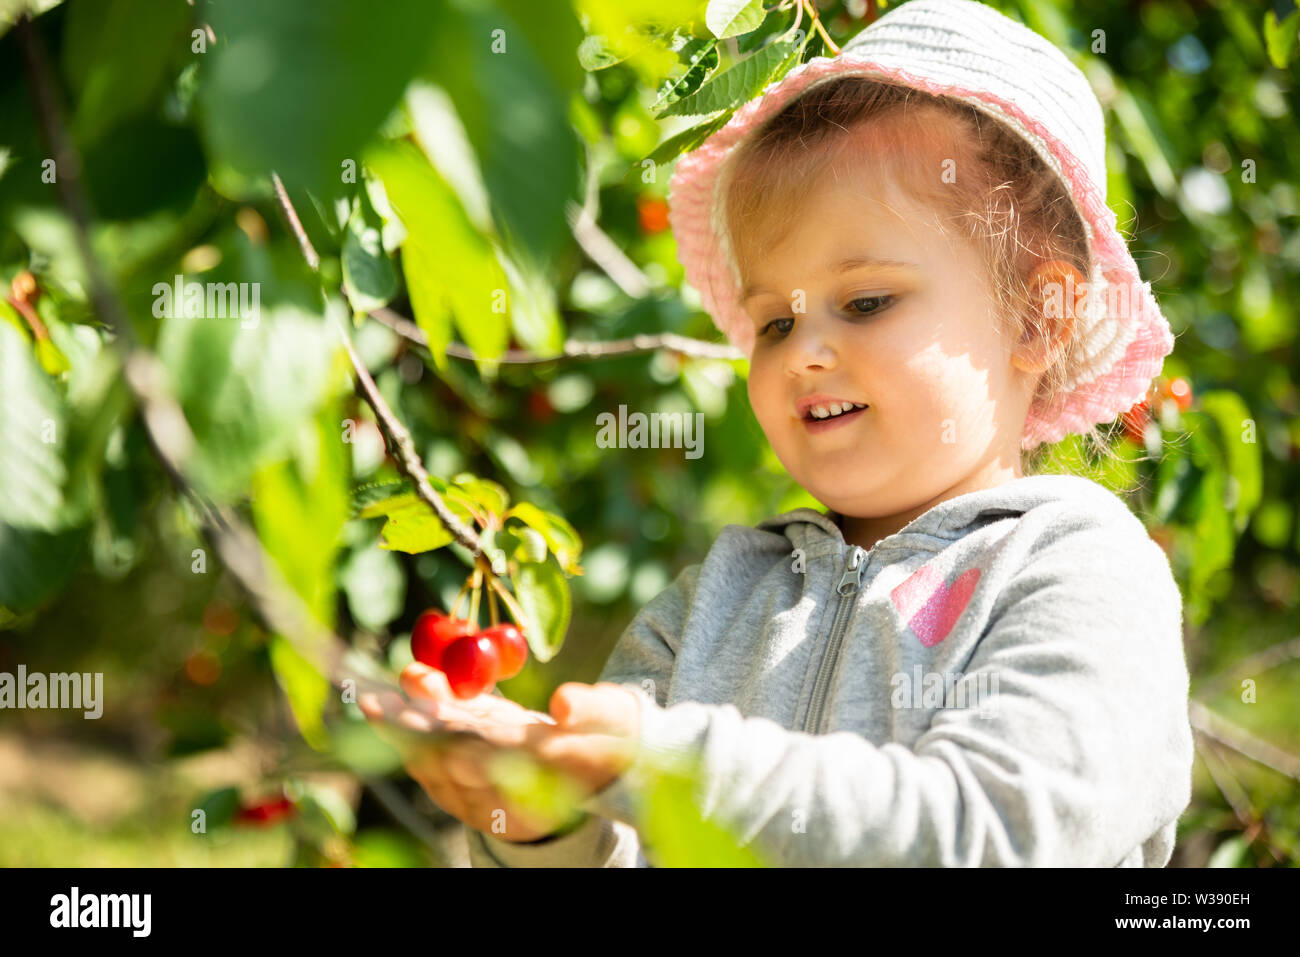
872,303
783,326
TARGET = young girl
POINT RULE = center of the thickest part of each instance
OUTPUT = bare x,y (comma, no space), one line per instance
957,664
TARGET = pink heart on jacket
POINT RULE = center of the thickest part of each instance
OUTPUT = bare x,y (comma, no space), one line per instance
930,606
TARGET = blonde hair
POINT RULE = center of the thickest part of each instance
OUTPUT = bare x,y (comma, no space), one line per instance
1007,201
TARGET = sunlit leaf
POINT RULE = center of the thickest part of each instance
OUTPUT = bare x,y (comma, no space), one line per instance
544,596
729,18
736,85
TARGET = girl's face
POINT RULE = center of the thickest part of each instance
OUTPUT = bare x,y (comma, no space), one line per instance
897,318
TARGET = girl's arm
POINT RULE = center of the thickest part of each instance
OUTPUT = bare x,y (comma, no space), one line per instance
642,659
1085,758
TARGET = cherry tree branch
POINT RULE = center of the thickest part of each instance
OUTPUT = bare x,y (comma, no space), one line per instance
406,456
1219,729
573,348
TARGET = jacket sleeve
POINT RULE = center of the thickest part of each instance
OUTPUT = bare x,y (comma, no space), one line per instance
1085,754
642,660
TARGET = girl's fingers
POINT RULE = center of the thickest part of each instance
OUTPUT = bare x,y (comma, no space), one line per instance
418,680
463,766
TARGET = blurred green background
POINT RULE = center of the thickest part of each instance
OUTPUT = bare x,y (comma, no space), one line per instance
438,152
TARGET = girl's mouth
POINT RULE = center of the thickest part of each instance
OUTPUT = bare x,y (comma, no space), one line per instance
814,425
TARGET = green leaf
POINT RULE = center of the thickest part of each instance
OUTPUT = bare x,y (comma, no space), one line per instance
299,508
117,55
428,297
306,689
300,86
490,496
675,831
554,35
446,261
534,315
737,85
246,392
532,546
730,18
518,123
323,813
1233,852
597,53
368,274
1245,467
1280,37
376,493
412,525
34,564
1142,133
32,435
687,139
701,58
218,808
558,534
544,597
385,847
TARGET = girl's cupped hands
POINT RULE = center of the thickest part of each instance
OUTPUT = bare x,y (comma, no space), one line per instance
467,753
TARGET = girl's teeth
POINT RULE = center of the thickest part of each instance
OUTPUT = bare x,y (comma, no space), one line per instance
835,408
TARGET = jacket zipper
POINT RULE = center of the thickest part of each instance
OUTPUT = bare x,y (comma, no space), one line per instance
848,589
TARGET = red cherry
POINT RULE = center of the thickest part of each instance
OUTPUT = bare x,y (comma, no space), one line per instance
470,664
652,213
1181,392
512,647
264,812
432,633
1135,420
539,407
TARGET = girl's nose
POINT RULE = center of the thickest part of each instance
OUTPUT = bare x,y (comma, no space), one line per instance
810,346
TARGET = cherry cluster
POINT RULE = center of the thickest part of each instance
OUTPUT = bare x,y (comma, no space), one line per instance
473,660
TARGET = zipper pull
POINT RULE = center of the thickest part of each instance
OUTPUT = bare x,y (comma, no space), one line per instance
853,573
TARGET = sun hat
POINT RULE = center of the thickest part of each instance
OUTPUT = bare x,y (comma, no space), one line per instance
968,52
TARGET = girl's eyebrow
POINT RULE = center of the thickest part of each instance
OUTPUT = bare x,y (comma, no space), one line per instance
844,265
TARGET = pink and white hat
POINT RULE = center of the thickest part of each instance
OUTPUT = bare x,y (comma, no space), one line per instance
968,52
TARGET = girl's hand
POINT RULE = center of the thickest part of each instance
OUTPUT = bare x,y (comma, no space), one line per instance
589,737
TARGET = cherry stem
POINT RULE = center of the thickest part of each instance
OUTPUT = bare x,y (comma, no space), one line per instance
460,596
478,592
516,612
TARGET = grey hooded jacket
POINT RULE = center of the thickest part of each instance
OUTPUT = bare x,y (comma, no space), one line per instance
1002,682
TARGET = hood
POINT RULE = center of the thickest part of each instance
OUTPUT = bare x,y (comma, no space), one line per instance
957,516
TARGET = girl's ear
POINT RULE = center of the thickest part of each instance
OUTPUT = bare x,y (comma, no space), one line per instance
1058,293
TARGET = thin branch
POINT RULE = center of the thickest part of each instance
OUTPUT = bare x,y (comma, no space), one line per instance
1225,732
573,348
407,458
308,250
1270,657
1252,824
604,252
